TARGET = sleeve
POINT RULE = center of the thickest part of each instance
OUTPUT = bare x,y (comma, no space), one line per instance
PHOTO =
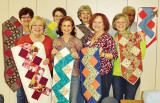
21,40
110,46
143,48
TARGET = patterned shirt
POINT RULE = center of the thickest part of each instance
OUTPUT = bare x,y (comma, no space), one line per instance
73,44
108,45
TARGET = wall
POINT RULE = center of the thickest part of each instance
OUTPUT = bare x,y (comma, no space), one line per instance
150,79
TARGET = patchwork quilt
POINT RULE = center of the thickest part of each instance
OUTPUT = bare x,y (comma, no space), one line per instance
147,23
35,76
130,56
83,33
62,73
51,29
11,32
90,76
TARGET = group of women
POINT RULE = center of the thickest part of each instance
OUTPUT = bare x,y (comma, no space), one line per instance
99,26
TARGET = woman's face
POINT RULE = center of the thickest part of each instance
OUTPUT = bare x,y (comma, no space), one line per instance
121,24
66,27
25,19
37,28
85,16
97,24
58,16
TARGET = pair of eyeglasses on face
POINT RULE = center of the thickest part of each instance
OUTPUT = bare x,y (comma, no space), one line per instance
26,17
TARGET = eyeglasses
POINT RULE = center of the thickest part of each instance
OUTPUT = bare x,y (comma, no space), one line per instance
26,17
58,16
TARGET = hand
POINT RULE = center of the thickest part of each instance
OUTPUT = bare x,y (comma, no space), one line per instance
142,35
155,13
54,51
75,55
46,61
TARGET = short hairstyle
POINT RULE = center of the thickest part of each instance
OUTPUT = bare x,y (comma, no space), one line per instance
117,17
128,8
62,10
25,11
66,18
104,19
34,19
82,8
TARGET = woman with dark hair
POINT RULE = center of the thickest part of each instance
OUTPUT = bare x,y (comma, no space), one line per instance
58,13
100,24
25,15
67,38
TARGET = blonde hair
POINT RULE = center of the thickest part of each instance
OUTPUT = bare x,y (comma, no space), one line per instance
117,17
34,19
82,8
128,8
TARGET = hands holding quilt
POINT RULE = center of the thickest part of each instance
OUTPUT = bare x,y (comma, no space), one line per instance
75,55
142,35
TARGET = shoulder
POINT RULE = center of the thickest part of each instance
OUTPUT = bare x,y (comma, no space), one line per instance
47,37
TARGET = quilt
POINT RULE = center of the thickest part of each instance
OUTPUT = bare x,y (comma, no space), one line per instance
147,23
90,76
11,32
35,76
83,33
51,28
130,56
62,73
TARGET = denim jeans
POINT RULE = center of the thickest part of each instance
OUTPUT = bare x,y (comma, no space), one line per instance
76,94
20,95
122,86
106,81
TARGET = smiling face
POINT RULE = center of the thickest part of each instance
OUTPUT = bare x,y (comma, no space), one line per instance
85,16
37,28
121,25
58,16
66,27
98,25
25,19
131,16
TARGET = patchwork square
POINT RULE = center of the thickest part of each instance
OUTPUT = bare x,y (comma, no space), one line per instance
123,41
23,53
37,60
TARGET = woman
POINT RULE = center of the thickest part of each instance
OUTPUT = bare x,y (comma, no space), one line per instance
121,85
67,38
84,14
37,26
100,24
58,13
25,15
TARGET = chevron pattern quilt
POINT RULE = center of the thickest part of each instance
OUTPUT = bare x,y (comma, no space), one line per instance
11,32
90,76
147,23
62,73
35,76
130,56
51,29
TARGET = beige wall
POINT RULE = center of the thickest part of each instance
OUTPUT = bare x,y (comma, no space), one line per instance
150,79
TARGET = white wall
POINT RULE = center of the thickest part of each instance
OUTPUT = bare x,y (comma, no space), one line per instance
150,79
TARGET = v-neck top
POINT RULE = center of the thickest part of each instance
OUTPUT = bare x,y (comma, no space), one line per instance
107,43
73,44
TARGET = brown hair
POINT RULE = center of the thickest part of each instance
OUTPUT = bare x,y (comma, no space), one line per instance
104,19
62,10
66,18
25,11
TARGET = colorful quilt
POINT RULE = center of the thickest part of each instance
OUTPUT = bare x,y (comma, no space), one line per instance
35,76
62,73
11,32
147,23
51,29
130,56
90,76
83,33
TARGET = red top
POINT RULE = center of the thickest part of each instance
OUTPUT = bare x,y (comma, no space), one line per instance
108,45
47,42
